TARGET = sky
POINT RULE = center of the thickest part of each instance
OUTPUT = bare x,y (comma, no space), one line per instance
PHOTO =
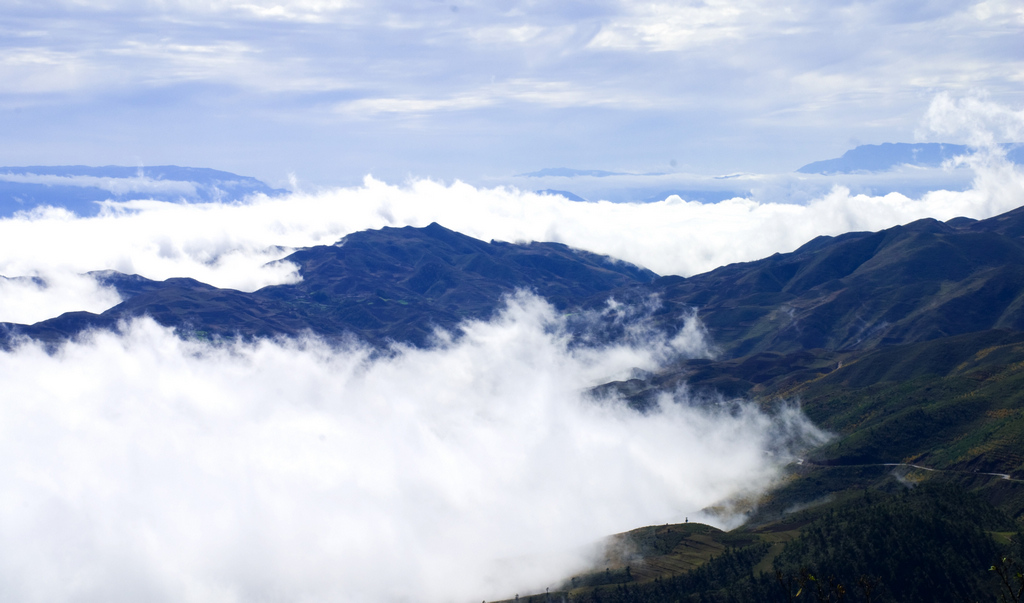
332,90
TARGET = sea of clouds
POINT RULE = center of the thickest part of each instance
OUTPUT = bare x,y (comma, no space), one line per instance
144,467
141,466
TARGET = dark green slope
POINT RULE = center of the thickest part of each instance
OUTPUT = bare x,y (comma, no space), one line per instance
933,543
954,406
916,282
955,403
907,344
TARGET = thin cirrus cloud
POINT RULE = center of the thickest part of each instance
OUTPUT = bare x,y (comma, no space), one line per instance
328,87
301,10
552,94
664,26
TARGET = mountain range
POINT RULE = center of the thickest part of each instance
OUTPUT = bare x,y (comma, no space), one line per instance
80,188
839,313
907,344
393,284
83,189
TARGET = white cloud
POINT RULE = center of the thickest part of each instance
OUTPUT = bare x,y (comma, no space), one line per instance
286,10
663,26
211,242
975,120
294,10
27,70
28,300
247,65
163,470
1005,11
374,106
137,59
551,94
707,83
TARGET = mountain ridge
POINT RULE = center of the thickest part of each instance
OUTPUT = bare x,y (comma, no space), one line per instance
907,283
392,284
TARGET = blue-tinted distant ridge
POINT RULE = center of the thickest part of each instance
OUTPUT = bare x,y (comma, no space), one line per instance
882,157
78,188
567,194
570,173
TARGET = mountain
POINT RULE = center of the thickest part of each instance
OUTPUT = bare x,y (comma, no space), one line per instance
885,156
852,293
925,544
901,341
878,320
907,344
567,194
78,188
393,284
862,290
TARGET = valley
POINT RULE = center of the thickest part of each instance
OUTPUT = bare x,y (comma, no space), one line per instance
906,344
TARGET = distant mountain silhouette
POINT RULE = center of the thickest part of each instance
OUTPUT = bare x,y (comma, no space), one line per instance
78,188
881,157
568,195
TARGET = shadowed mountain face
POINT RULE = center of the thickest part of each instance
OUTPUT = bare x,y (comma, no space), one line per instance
857,291
916,282
908,346
907,343
390,284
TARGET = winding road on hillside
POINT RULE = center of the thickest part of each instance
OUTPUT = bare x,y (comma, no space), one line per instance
1005,476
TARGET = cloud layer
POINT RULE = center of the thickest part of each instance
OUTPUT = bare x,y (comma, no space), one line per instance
163,470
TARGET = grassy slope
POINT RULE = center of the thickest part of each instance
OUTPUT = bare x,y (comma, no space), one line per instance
954,405
935,542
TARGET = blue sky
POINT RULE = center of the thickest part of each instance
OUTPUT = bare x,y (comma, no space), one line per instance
331,90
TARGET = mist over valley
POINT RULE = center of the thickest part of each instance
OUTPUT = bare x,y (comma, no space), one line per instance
373,415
